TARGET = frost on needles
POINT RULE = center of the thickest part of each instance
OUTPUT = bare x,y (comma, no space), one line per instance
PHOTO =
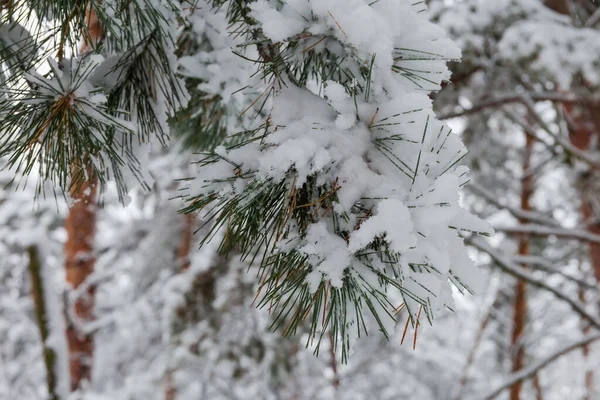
347,194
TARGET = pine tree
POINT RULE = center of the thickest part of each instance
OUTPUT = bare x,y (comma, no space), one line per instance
324,166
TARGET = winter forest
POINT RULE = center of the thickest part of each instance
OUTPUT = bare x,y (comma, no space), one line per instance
299,199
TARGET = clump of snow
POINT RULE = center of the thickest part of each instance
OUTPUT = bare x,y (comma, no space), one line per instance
373,141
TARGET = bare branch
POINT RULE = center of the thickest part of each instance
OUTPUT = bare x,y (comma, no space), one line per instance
547,266
564,142
593,19
541,230
531,370
517,212
511,268
507,98
462,382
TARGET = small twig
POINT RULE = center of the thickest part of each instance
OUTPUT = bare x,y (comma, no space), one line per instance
338,24
417,328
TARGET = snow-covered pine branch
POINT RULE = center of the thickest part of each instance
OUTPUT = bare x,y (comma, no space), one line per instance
347,195
60,108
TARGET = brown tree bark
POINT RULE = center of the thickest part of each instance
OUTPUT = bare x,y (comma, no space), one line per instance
79,265
94,31
520,305
539,394
584,129
560,6
170,391
185,245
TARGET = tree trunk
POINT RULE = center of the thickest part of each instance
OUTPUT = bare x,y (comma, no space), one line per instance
587,212
185,245
583,132
539,394
182,257
581,136
520,305
41,316
560,6
79,248
589,375
79,264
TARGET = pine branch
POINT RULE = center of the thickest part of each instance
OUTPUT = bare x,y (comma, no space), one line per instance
103,103
279,207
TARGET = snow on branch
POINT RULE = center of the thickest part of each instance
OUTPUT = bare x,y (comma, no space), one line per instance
547,265
528,372
511,268
500,99
517,212
347,195
540,230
